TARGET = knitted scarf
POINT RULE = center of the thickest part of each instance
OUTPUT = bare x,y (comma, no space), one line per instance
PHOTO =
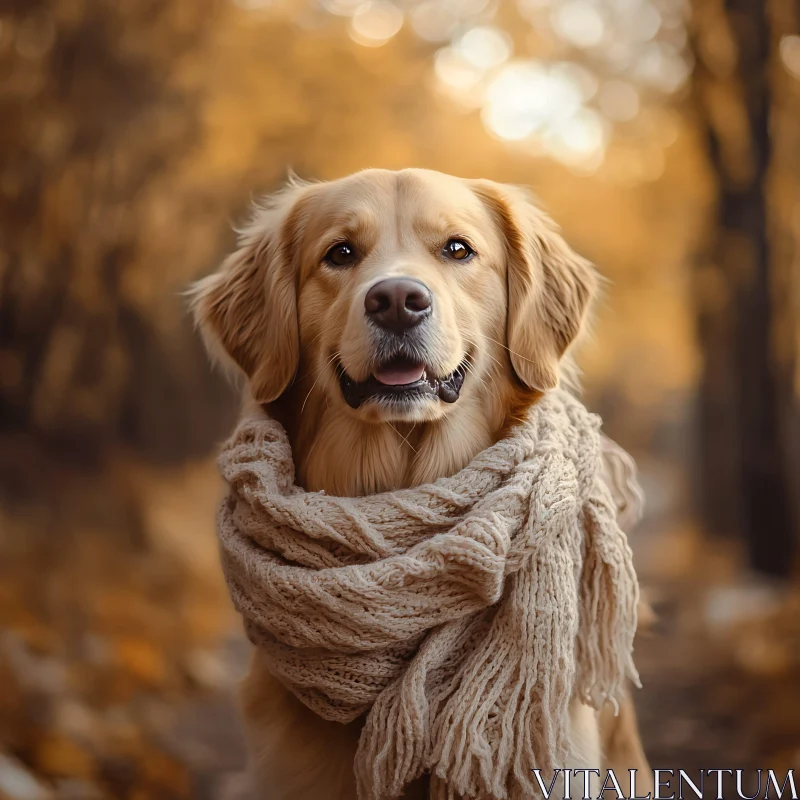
461,616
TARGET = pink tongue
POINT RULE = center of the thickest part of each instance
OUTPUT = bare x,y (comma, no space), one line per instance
399,376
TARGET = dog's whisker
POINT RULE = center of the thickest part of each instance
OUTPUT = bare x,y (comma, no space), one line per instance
313,446
470,368
319,367
512,352
475,345
493,387
303,407
404,438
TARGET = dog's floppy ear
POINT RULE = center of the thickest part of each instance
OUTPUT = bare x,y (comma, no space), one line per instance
549,286
247,309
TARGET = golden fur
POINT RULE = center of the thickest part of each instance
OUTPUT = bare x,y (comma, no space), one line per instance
289,321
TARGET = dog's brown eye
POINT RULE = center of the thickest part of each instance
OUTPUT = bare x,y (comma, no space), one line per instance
341,255
458,249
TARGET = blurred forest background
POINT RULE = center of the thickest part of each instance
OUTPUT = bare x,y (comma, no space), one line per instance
664,135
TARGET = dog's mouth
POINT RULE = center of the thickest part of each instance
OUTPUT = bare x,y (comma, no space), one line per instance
402,380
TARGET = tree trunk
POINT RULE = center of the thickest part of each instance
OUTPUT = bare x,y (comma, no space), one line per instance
745,392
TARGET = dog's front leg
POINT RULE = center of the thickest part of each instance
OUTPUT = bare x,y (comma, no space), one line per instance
294,754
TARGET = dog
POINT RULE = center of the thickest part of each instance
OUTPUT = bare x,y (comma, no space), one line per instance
396,323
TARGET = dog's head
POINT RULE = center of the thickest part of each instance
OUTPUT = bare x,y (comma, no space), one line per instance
396,294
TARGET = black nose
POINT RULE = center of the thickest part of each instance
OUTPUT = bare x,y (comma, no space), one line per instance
398,303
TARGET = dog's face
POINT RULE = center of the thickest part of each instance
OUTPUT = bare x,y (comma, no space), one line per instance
400,293
397,295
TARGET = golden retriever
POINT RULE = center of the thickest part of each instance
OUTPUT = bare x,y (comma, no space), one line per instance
396,323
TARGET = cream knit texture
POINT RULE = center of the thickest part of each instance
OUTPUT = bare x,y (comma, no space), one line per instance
460,617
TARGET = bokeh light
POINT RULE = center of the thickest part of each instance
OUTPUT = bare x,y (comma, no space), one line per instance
342,8
375,22
587,66
484,47
458,77
440,20
526,97
619,100
579,22
790,54
661,66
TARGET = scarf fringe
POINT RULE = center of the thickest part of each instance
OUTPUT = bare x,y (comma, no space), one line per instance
610,590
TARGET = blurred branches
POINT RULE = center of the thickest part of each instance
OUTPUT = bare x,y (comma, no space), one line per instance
90,125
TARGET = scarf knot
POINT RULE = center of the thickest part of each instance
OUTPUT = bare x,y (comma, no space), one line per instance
461,617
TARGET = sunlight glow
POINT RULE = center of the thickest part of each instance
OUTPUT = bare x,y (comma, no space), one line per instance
254,5
602,64
524,97
543,106
530,8
375,22
585,80
484,47
459,77
578,140
645,23
578,22
439,20
618,100
662,66
342,8
790,55
433,21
